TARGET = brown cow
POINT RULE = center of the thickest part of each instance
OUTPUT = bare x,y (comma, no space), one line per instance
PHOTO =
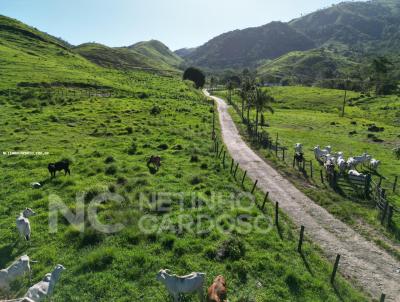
217,291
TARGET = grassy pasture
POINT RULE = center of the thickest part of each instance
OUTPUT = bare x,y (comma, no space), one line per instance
108,141
312,116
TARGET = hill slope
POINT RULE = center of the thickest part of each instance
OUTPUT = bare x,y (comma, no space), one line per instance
307,66
158,52
241,48
365,26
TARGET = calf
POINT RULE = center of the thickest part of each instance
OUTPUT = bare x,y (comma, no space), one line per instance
23,224
58,166
217,291
186,284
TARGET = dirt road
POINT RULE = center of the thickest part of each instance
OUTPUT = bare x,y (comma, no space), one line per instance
372,268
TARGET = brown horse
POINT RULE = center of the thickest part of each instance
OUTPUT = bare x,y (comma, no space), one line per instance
155,161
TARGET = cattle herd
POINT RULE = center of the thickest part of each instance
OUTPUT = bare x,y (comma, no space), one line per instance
331,159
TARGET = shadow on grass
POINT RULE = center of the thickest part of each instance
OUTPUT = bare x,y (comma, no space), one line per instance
337,292
306,264
153,171
10,252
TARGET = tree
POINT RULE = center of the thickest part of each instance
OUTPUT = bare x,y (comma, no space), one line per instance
384,83
230,87
262,101
245,95
195,75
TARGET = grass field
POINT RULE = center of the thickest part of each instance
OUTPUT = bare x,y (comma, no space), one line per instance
108,141
311,116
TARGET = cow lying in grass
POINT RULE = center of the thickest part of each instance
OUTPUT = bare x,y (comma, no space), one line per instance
177,285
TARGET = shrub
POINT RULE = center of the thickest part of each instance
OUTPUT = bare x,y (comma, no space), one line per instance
195,180
132,149
155,110
194,159
233,249
129,130
111,170
109,160
163,147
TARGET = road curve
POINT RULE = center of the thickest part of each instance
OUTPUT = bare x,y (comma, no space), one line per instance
372,268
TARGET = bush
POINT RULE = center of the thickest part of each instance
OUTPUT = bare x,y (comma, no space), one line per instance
155,110
233,249
109,160
195,75
129,130
111,170
132,149
195,180
163,147
194,159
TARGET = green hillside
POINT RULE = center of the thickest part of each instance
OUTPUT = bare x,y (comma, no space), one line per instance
45,108
245,48
308,67
145,55
158,52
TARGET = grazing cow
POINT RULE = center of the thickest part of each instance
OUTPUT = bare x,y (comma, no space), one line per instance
298,148
23,224
355,173
217,291
155,161
58,166
45,288
186,284
374,164
353,162
321,154
342,164
17,269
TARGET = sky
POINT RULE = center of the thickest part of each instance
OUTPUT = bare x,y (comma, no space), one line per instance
177,23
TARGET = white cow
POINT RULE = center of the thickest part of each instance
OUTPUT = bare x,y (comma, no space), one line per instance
355,173
353,162
23,225
321,154
186,284
45,288
374,164
17,269
342,164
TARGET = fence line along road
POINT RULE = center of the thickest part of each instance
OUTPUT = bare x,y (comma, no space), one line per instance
371,267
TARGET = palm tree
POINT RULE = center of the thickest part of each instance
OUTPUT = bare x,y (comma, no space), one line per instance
246,96
262,101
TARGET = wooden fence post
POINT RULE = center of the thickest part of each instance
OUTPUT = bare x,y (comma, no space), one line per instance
220,153
283,154
395,184
232,163
311,169
244,177
294,160
383,297
335,268
322,176
254,187
223,160
265,201
385,209
277,214
301,239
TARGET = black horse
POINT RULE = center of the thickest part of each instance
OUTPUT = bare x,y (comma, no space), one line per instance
58,166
